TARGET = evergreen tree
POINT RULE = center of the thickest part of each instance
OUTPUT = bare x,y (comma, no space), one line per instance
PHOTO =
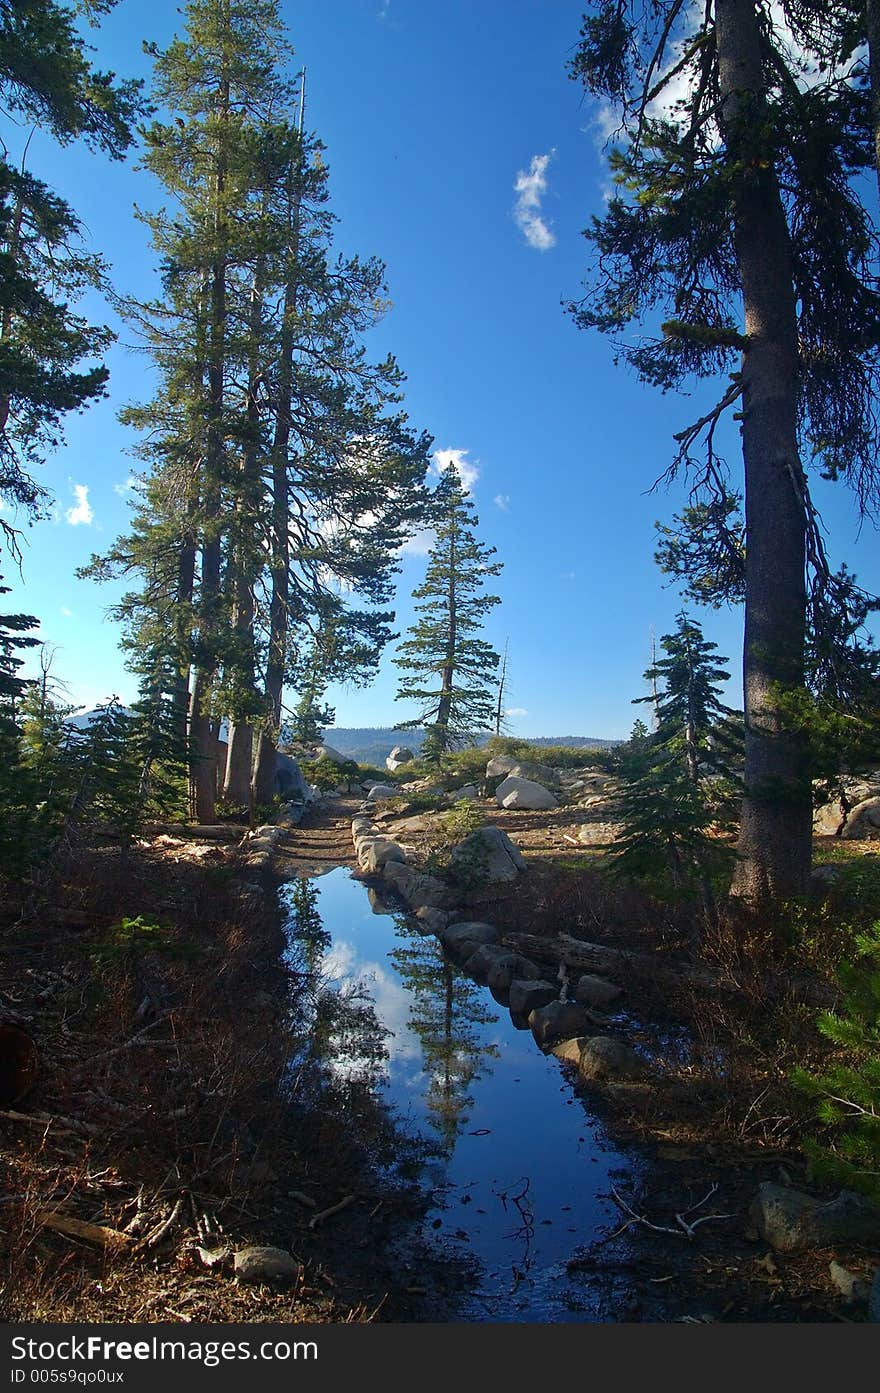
447,670
738,219
47,351
16,784
279,465
676,796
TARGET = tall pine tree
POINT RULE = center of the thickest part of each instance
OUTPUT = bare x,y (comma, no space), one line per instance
738,221
447,670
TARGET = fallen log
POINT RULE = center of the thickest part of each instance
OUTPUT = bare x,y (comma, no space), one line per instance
618,964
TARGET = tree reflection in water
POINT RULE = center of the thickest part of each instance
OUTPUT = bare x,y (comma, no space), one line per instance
447,1014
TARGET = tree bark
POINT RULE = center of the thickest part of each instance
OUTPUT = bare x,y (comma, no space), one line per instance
873,24
775,840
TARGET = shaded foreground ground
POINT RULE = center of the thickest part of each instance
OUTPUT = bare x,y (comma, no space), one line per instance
176,1106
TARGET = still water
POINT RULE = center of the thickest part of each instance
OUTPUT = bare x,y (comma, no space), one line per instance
520,1170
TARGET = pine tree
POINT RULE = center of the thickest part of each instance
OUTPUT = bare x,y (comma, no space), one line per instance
47,351
677,783
278,462
16,784
447,670
739,222
848,1093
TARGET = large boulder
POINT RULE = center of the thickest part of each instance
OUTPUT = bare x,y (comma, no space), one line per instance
603,1057
863,823
526,996
791,1221
514,792
462,940
538,773
399,756
491,852
290,781
380,792
334,756
559,1020
595,992
498,967
499,766
379,852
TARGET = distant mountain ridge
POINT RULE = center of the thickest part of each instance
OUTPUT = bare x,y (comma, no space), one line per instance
371,744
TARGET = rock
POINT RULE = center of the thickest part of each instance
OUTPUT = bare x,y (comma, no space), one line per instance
379,792
823,879
515,792
500,766
328,752
490,849
468,793
850,1286
380,851
461,940
258,1264
559,1020
398,756
362,826
603,1057
481,961
416,889
497,966
863,823
528,996
402,877
412,826
213,1257
598,833
507,968
791,1221
290,781
432,920
569,1051
828,819
595,991
536,773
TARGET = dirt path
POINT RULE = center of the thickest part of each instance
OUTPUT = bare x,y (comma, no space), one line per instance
321,841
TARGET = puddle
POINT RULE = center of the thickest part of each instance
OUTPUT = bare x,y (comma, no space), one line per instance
518,1170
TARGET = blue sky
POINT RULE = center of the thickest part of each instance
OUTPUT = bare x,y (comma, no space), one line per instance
460,153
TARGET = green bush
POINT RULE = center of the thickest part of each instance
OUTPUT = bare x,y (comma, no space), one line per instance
462,819
326,774
847,1095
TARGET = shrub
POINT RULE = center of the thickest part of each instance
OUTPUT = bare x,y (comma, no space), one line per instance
848,1094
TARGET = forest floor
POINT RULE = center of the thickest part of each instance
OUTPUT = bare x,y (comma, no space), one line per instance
174,1109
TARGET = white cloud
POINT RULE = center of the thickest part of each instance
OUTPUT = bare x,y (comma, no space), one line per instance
515,711
530,188
467,472
81,513
125,488
502,501
68,613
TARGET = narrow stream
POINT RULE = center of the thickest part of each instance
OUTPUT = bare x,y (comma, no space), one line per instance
519,1169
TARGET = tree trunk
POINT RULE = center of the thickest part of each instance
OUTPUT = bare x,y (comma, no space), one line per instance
279,618
239,764
775,839
873,18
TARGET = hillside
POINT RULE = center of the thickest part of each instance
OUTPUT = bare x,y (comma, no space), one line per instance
371,744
